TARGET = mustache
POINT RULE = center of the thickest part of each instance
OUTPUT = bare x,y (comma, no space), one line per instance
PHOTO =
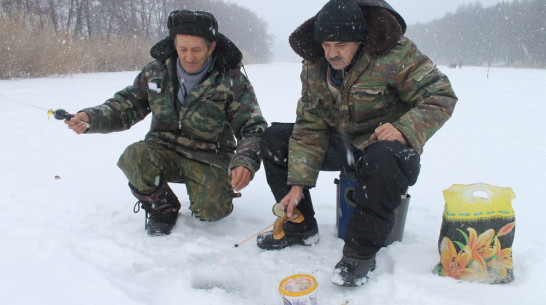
336,58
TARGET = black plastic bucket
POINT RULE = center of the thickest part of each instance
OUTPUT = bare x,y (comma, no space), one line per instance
345,207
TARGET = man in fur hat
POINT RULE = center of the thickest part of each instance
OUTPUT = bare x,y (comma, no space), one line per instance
206,124
370,100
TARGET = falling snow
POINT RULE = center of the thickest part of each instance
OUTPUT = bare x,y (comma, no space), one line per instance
78,232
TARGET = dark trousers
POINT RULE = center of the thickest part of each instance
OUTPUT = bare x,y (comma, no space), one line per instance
383,172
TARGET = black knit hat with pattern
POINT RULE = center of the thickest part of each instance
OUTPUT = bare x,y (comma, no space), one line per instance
340,20
195,23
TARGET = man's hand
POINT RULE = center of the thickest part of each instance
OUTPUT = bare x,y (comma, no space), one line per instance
77,122
291,200
387,132
240,178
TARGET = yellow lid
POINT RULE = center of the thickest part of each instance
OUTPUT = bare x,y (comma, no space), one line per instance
298,285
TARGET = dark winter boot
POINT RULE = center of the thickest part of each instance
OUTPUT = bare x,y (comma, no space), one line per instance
352,272
161,208
304,233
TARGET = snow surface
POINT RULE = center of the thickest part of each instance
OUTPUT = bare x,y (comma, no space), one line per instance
75,240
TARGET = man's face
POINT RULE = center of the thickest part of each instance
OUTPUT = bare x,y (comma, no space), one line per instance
192,51
339,54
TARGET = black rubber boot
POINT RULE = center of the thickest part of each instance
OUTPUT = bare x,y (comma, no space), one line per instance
161,208
305,233
352,272
159,224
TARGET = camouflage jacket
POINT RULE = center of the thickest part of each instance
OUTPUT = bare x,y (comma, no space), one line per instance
393,84
220,123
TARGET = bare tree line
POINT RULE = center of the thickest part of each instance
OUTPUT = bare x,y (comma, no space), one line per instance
145,19
506,34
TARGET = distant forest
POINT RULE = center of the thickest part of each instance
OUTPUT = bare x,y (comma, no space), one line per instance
57,37
506,34
47,37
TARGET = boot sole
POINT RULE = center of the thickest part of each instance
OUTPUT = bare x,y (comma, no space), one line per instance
288,241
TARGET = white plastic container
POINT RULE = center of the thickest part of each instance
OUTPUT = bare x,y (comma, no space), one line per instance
299,289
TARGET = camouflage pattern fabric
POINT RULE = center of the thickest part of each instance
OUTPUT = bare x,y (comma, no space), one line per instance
146,163
401,86
219,124
217,129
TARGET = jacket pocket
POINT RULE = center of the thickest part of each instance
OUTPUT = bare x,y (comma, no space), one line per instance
215,106
366,103
156,85
162,107
207,118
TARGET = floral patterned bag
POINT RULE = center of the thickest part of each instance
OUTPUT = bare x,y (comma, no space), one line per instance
477,233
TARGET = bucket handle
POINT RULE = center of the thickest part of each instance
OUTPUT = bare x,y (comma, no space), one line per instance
473,192
349,195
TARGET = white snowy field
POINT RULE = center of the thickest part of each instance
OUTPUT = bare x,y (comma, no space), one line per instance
76,240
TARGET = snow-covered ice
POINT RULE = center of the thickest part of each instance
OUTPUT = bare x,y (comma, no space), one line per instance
73,239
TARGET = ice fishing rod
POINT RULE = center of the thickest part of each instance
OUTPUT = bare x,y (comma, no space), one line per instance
236,246
278,232
61,114
278,210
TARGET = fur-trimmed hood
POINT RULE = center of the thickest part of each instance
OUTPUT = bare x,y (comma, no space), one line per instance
384,25
227,55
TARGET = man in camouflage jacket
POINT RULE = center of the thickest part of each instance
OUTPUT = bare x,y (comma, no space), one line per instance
206,123
370,100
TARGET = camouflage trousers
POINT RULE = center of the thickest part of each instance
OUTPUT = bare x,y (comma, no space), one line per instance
146,164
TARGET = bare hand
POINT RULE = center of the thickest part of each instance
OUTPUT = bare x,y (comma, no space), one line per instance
240,178
387,132
291,200
78,122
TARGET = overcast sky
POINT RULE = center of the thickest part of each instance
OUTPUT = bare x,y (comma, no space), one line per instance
284,16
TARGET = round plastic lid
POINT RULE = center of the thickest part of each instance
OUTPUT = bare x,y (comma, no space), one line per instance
298,285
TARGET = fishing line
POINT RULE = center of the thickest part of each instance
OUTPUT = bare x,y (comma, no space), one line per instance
237,245
23,103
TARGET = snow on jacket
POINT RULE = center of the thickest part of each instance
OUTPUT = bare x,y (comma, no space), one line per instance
219,124
391,82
